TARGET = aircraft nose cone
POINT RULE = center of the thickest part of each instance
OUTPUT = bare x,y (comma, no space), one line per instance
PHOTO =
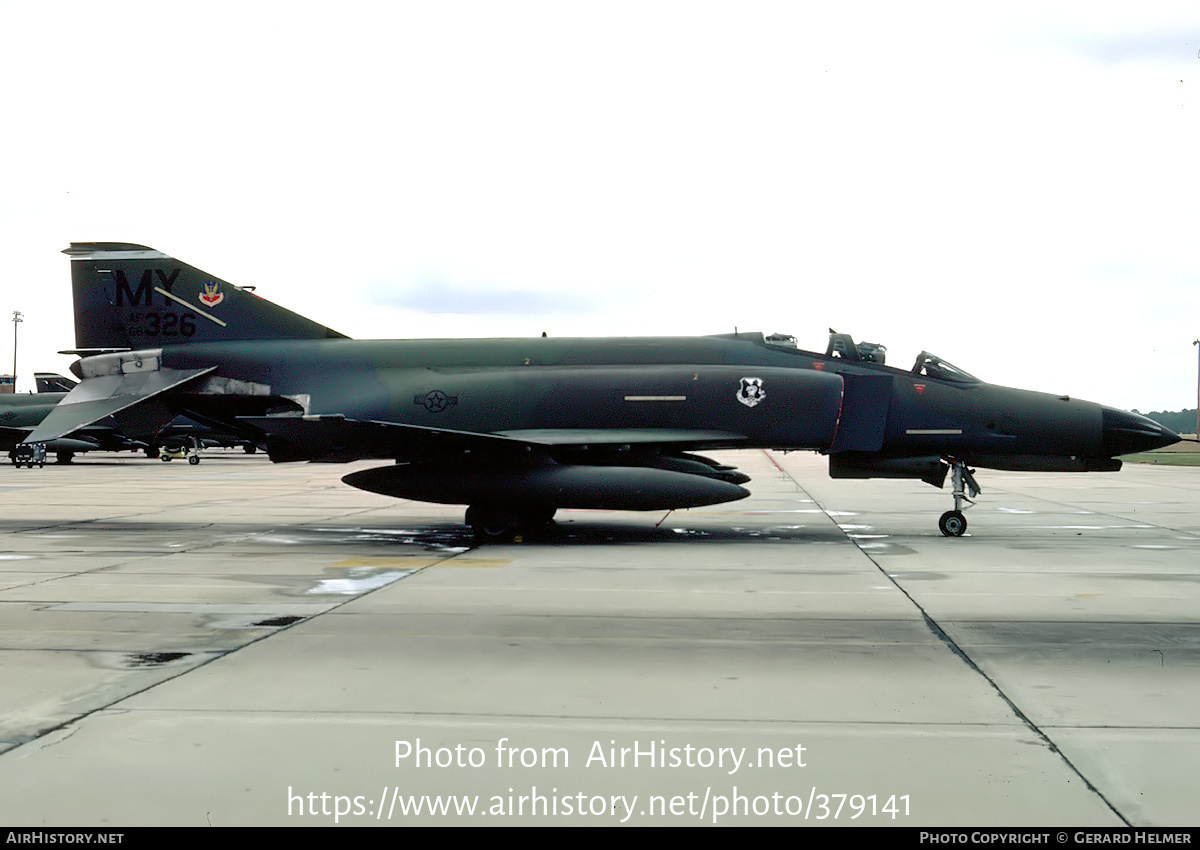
1126,433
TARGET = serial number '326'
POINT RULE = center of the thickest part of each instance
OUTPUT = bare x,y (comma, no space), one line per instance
166,323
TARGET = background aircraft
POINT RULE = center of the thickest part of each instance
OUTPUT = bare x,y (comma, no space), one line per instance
21,413
518,428
52,382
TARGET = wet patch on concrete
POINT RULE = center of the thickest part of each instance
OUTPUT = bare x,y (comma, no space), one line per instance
586,531
883,547
448,539
261,621
276,622
1193,578
155,659
359,580
150,659
1051,637
247,610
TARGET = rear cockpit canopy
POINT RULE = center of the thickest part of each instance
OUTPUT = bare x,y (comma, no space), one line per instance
782,340
843,346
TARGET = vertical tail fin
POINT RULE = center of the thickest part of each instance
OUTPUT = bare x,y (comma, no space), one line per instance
131,296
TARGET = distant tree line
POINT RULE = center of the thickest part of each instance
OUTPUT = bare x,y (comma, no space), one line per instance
1183,422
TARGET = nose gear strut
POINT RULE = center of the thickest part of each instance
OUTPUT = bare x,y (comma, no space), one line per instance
953,523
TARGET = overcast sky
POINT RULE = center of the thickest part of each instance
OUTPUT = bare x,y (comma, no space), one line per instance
1013,187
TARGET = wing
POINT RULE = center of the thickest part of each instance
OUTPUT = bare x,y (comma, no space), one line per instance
336,439
95,398
626,469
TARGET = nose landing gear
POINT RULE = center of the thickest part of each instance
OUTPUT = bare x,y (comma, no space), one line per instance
953,523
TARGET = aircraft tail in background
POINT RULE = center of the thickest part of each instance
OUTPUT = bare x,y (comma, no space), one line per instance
52,382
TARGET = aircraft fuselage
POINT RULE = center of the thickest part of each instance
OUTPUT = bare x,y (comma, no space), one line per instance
746,392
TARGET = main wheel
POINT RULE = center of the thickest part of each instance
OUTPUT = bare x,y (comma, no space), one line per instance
493,524
953,524
499,524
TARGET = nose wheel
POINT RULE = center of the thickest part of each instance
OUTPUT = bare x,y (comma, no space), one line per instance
953,523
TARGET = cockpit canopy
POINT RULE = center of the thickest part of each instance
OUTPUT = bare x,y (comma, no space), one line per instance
933,366
843,346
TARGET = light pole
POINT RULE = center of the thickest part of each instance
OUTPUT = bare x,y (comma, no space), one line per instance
16,321
1197,342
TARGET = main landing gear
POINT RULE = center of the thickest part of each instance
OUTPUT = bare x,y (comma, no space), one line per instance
492,523
953,523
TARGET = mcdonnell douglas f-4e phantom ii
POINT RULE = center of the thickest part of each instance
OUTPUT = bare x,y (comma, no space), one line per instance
518,428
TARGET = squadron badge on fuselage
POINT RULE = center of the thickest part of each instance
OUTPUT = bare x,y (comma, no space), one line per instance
751,392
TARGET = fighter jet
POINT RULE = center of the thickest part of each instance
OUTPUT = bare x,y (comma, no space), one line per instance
22,413
516,429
